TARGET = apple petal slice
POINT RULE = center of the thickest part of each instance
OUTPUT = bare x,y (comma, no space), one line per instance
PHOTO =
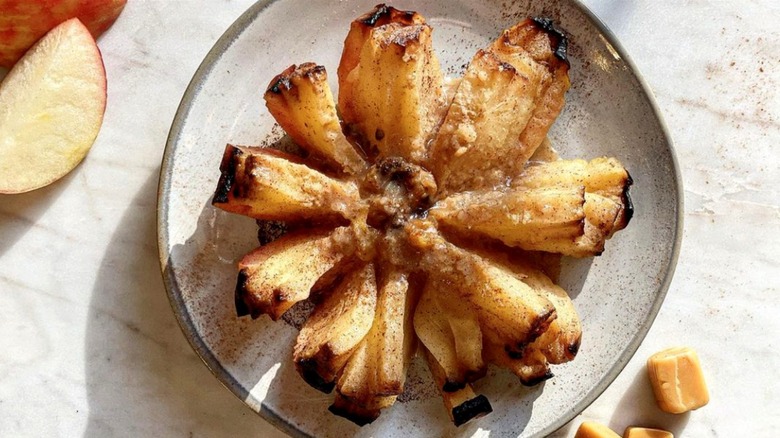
51,108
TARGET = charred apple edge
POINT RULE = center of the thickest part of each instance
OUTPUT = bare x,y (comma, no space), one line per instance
562,44
242,308
537,380
380,11
243,298
361,417
628,205
574,347
540,325
227,174
307,368
478,406
281,81
450,386
468,377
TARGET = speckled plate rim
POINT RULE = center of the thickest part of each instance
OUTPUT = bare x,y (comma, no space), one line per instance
227,380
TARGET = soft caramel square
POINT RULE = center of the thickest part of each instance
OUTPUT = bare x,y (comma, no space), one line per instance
677,380
645,432
591,429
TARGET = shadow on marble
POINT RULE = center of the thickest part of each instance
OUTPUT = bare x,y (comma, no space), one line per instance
19,213
637,407
142,378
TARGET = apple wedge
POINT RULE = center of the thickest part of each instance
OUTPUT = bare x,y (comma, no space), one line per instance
607,206
509,309
51,108
301,102
274,277
22,23
561,341
359,32
509,97
450,332
522,218
335,329
264,183
558,344
394,98
605,176
378,367
375,373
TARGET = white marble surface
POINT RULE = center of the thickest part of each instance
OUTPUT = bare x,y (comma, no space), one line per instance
90,346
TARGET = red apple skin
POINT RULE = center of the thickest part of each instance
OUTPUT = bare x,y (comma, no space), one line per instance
23,22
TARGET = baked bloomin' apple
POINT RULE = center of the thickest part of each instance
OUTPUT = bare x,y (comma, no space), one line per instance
412,214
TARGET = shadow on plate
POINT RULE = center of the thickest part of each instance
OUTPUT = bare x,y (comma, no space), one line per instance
574,273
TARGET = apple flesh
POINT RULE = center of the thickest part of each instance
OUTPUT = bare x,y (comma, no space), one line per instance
51,108
23,22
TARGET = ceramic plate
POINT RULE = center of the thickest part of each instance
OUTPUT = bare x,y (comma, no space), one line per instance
609,111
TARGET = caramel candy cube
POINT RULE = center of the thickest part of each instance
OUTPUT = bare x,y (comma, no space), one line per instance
677,380
591,429
644,432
